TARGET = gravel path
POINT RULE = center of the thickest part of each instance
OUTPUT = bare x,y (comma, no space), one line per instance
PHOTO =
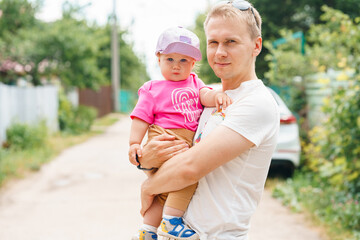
91,192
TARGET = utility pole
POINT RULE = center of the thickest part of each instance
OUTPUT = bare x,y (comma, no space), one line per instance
115,60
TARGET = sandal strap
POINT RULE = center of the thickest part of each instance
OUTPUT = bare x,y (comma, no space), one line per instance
179,229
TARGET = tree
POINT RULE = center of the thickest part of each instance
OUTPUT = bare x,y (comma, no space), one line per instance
333,149
68,49
336,44
297,15
133,70
15,15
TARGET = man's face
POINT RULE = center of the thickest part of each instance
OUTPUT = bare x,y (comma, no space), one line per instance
230,50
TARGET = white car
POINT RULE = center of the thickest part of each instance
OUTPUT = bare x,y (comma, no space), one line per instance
287,152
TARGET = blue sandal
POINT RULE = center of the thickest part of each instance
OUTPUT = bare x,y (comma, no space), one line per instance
175,228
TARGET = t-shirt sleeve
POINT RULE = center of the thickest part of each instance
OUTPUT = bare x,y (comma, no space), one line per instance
144,108
199,83
253,119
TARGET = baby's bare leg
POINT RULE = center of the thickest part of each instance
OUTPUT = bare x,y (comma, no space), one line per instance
153,215
173,211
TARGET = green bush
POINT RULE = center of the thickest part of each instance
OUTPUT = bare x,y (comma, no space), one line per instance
329,182
24,136
338,209
333,151
343,145
65,112
75,120
82,120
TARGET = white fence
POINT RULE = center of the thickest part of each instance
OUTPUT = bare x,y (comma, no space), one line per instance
28,105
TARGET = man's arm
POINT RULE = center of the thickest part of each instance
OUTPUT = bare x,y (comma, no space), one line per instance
218,148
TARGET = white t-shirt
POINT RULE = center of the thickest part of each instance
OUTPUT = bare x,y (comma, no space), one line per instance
227,197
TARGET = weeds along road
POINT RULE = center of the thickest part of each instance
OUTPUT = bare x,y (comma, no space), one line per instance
91,192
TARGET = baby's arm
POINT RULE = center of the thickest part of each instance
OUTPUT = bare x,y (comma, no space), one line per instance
137,133
214,98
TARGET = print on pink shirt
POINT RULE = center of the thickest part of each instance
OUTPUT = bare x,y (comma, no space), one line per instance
185,101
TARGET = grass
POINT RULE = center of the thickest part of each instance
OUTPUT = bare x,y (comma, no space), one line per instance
16,164
315,201
107,120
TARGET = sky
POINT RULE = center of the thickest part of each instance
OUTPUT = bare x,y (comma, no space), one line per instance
145,20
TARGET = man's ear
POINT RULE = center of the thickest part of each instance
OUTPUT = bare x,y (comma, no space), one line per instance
258,46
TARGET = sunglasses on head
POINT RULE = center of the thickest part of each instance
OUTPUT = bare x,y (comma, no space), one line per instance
243,6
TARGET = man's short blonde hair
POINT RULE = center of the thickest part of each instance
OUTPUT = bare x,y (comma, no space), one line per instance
227,11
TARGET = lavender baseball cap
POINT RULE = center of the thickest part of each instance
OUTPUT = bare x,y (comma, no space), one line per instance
179,40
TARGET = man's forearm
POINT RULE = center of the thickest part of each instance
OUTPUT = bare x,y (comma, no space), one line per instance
219,147
173,175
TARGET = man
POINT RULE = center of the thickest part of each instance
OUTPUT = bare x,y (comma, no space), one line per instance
233,149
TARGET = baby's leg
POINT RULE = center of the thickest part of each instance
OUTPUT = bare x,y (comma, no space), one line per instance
174,209
177,202
151,221
153,215
170,211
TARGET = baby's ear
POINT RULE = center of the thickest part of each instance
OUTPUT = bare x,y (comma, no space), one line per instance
193,63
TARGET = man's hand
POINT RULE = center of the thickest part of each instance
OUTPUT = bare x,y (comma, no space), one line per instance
146,199
160,149
135,149
222,99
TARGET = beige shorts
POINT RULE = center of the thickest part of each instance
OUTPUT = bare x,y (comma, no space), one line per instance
178,199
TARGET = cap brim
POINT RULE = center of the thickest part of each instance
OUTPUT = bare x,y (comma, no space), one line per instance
183,48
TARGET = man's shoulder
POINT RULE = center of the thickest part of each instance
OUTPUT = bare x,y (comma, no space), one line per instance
253,91
256,100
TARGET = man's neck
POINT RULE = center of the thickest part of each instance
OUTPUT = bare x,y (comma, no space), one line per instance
229,84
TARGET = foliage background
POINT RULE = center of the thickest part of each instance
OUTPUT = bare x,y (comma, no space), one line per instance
70,49
328,183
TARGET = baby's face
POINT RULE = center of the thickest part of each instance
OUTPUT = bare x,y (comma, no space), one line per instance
175,66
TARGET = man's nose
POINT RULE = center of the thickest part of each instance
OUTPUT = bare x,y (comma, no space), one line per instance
221,51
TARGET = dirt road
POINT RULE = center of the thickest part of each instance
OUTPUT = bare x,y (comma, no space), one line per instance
91,192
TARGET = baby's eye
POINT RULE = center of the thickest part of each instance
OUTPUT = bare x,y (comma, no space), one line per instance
170,59
183,60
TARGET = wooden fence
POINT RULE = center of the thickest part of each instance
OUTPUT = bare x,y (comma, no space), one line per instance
101,99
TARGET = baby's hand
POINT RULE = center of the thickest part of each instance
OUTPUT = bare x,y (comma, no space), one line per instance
221,99
133,150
